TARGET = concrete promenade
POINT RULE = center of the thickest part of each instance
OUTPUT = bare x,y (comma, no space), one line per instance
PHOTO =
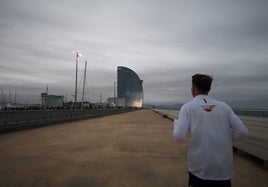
131,149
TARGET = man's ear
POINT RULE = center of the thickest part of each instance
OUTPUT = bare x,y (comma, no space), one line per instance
193,90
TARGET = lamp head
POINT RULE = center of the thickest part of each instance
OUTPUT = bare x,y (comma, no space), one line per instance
78,54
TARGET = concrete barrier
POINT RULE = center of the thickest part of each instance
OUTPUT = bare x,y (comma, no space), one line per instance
255,144
16,120
171,114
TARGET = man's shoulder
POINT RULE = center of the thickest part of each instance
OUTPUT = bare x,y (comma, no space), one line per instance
188,105
212,100
220,103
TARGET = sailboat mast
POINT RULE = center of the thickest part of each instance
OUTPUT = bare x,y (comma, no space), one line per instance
84,83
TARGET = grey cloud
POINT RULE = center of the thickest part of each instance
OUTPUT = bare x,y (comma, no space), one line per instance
164,42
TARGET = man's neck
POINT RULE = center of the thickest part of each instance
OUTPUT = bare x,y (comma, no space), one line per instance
200,93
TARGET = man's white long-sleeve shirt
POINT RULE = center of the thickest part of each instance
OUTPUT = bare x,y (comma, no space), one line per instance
214,127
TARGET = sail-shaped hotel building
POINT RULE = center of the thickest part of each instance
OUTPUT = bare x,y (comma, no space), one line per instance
129,88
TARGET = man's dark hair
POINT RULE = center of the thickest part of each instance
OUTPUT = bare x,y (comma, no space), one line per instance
202,82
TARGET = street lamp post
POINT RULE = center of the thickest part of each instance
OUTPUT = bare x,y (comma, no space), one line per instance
76,69
115,100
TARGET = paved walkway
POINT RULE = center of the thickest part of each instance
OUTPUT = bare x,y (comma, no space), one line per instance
131,149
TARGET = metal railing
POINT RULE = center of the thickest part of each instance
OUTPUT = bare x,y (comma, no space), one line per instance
16,120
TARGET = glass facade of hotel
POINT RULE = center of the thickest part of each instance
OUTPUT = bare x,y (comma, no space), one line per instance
129,87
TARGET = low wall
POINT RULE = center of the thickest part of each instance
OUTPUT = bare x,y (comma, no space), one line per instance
16,120
255,144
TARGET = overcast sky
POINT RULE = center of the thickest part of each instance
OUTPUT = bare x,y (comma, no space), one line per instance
164,41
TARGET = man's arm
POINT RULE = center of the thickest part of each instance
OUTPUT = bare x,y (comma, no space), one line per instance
181,125
239,130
